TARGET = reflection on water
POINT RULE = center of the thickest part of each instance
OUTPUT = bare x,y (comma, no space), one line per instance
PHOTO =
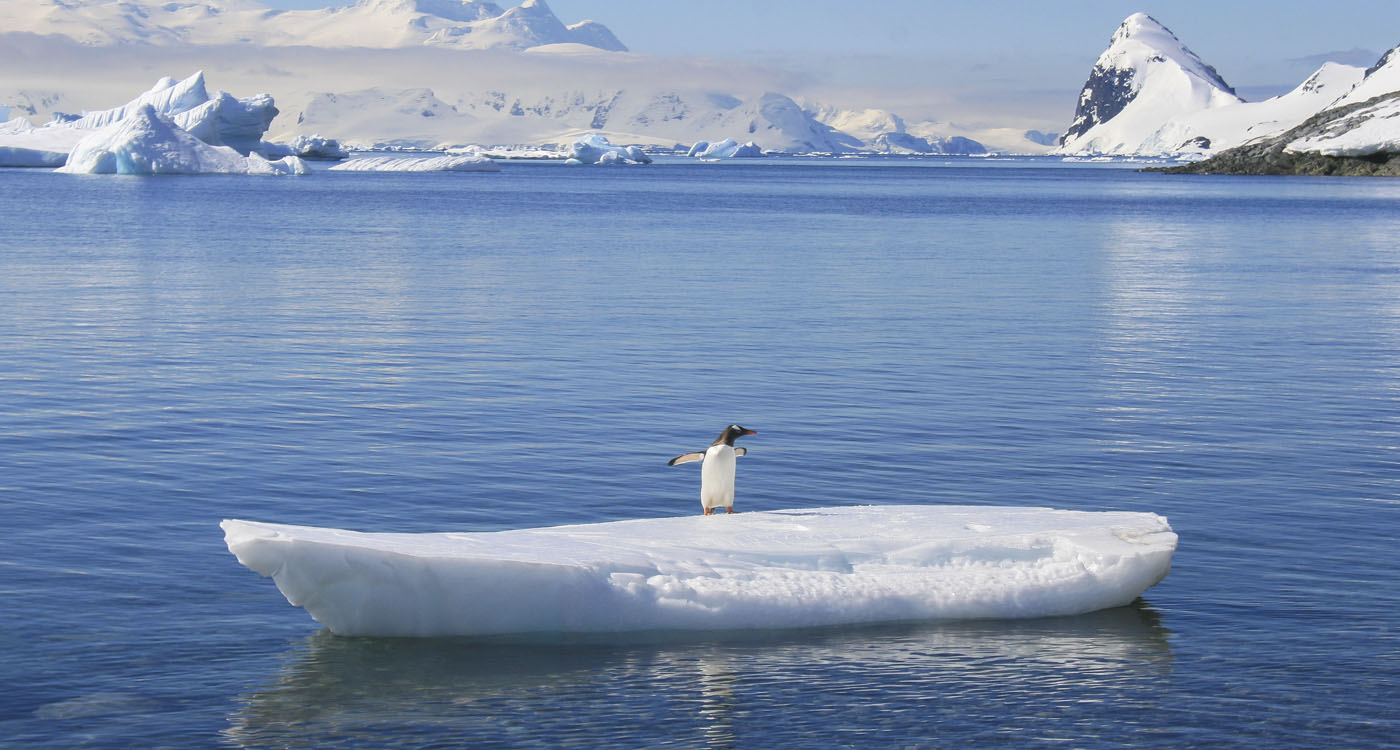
715,690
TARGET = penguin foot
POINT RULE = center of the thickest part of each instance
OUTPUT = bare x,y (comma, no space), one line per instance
729,509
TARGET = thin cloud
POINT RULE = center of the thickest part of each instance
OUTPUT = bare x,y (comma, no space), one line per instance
1355,56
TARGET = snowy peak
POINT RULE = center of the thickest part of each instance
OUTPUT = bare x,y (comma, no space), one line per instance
1380,79
1143,30
463,24
453,10
533,24
1145,74
1332,79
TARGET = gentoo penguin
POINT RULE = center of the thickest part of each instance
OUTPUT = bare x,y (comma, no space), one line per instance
717,469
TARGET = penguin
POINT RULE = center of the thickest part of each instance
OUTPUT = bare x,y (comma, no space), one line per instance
717,469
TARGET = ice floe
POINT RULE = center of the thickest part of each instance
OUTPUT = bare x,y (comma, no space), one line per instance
469,162
776,569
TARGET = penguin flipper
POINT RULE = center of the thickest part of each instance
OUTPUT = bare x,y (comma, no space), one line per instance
686,458
739,451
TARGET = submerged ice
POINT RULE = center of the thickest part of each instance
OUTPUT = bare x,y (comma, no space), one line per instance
777,569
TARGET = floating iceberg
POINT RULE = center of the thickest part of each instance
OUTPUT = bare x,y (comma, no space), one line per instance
315,147
725,149
596,149
452,163
147,143
168,97
218,120
777,569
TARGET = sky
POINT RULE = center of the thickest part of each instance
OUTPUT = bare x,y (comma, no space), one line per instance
993,57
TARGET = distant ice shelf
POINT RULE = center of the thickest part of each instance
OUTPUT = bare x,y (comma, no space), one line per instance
774,569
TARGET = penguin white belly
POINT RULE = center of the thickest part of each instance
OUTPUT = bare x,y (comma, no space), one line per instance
717,477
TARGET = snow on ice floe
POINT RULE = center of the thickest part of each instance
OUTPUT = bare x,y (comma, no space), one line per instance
468,162
147,143
597,149
725,149
777,569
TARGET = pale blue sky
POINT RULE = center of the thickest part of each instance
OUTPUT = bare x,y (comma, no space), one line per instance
998,47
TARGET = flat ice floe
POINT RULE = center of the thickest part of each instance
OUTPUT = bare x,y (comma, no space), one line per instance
451,163
775,569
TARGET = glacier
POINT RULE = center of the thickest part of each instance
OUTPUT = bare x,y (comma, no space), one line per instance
469,162
757,570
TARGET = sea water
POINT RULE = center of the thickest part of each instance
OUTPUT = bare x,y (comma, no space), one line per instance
490,351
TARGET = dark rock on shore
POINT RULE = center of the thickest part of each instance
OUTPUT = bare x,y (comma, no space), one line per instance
1270,157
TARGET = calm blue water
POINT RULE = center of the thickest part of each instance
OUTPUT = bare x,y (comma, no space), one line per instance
476,352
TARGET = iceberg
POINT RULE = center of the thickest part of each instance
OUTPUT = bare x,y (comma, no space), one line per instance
218,120
597,149
315,147
725,149
227,121
23,145
758,570
168,97
469,162
147,143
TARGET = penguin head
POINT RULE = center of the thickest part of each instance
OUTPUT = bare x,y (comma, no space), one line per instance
731,432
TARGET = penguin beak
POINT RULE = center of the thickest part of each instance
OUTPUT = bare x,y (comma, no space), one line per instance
748,432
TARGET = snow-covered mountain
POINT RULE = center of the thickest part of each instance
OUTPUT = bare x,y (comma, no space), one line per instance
1145,77
430,74
1364,122
421,118
886,132
1213,130
1148,95
462,24
1358,133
